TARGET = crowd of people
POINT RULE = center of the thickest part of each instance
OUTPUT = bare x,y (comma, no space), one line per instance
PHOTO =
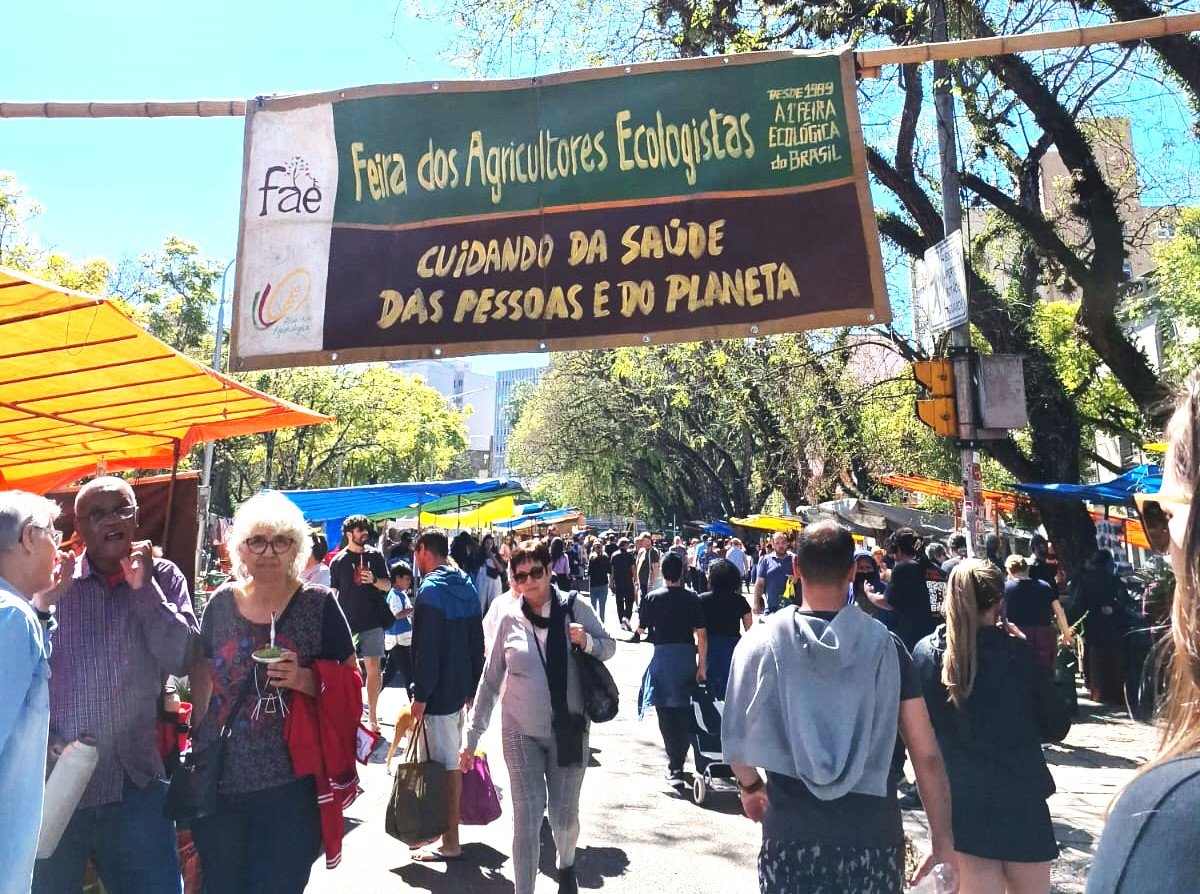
837,665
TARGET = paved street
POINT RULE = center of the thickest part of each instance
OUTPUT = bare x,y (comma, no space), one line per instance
638,836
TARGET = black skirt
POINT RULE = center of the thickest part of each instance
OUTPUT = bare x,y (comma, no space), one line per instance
1014,829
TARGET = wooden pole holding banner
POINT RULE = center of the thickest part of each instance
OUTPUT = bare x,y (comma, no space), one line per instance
869,63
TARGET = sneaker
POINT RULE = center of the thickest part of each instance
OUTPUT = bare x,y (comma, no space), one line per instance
624,625
636,638
676,778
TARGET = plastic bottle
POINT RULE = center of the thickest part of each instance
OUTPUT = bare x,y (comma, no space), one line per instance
64,788
940,880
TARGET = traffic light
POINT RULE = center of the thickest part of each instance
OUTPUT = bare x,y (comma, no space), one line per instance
938,412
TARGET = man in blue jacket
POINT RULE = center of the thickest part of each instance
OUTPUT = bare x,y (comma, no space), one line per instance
447,652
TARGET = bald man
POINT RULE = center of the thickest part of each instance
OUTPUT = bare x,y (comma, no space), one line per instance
125,622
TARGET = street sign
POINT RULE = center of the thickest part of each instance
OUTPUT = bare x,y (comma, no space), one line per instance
941,288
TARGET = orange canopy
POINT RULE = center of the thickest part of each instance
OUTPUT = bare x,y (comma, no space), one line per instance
1005,501
81,382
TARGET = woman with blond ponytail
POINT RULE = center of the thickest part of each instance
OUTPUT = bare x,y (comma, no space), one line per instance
992,708
1152,840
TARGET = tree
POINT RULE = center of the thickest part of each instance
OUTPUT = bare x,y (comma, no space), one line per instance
389,427
721,429
1177,293
172,292
19,248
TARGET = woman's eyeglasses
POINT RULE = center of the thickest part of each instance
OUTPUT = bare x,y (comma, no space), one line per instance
1156,511
537,572
52,532
258,545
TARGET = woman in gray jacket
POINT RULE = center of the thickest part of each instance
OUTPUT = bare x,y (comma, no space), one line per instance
545,740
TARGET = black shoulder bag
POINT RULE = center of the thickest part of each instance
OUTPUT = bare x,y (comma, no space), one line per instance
196,783
600,695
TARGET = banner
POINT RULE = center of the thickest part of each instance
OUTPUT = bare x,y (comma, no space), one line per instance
707,198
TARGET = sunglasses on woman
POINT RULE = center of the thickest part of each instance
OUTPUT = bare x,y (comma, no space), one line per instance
1156,511
534,573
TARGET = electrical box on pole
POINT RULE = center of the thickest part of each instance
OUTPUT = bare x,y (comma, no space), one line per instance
938,409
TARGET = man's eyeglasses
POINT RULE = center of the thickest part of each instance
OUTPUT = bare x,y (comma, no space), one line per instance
258,545
537,572
52,532
1156,512
121,513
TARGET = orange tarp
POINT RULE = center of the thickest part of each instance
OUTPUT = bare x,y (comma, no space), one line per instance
81,382
1132,531
1004,501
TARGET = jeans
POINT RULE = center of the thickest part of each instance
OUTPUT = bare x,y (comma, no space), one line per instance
260,842
130,842
539,783
675,724
599,598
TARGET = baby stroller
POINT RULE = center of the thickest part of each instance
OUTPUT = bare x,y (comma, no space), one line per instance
712,773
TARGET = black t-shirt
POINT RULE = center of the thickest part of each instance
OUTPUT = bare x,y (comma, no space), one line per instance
1027,603
598,568
671,615
853,821
917,592
622,571
723,613
1046,570
358,601
610,548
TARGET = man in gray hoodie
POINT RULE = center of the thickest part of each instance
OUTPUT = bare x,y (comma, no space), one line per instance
815,697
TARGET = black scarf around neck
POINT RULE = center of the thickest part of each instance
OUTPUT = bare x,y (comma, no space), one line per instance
568,729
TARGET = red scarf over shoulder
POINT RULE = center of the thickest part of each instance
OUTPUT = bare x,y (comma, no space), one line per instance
320,734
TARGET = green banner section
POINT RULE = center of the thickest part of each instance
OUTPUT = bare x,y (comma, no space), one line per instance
774,125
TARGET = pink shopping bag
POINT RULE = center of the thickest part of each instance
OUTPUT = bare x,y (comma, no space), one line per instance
480,802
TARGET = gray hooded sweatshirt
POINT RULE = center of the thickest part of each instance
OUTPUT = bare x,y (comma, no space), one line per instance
815,700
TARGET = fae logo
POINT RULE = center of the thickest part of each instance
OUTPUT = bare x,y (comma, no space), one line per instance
301,196
274,304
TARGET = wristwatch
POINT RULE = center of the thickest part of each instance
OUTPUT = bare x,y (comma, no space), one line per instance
753,787
44,616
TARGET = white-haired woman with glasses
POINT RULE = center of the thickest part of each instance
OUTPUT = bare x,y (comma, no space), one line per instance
267,832
28,559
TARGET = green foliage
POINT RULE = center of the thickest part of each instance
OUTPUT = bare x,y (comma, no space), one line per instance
701,430
1177,277
173,293
19,248
389,427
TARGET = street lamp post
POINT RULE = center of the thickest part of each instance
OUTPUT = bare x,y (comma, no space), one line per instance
218,340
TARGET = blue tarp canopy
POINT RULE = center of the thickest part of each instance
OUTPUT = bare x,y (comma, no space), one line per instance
548,517
330,506
720,528
1144,479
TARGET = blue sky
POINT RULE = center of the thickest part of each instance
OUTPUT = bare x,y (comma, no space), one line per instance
118,187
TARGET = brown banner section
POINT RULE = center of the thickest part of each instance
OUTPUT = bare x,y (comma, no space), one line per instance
672,271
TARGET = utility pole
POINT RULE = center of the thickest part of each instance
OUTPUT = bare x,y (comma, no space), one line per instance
960,336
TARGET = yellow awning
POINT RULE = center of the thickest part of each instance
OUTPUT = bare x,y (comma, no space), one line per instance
769,522
1155,447
504,507
81,382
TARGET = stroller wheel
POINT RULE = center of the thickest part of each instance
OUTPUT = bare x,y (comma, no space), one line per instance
699,789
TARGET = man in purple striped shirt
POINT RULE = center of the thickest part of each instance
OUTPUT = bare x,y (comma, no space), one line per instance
125,622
